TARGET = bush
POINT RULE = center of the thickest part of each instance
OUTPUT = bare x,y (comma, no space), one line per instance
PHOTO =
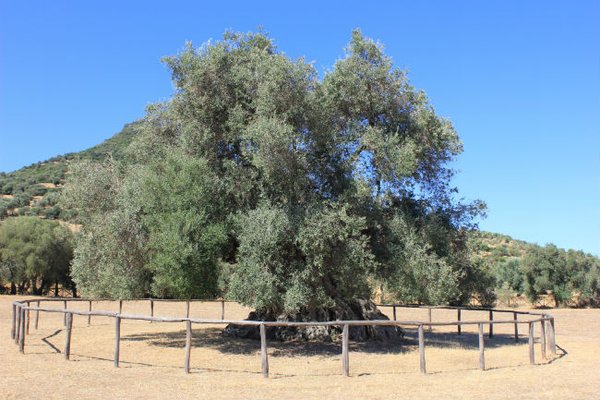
52,212
7,189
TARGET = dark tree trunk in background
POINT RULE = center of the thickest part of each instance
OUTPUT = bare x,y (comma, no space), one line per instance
353,310
44,287
34,289
13,288
55,289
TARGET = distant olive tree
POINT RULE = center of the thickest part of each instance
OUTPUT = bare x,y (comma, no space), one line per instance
35,254
568,276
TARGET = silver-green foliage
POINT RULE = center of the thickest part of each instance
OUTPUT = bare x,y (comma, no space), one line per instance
420,276
110,255
180,202
291,264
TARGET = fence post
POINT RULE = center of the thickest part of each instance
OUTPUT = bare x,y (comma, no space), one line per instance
13,321
481,349
120,306
531,348
515,317
263,352
459,326
117,340
37,316
429,313
552,336
22,334
188,345
18,327
491,333
25,322
68,336
345,356
90,310
28,318
222,310
543,338
394,306
65,314
151,309
422,365
187,309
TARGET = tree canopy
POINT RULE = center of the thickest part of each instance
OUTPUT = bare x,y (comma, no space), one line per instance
301,192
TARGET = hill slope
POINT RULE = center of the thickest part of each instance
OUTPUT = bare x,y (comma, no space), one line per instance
497,248
33,190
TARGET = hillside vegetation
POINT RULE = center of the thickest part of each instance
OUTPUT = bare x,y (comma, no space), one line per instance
34,189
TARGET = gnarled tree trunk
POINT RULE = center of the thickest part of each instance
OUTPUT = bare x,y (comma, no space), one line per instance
344,311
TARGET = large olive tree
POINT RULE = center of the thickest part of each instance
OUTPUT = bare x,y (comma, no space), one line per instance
311,191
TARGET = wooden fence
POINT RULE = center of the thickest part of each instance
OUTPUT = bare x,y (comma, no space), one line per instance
21,316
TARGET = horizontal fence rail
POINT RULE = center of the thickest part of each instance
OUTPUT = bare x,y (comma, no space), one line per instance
21,315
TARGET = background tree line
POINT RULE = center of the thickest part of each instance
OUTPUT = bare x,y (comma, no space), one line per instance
571,277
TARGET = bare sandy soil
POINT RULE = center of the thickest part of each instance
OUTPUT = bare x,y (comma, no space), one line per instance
152,358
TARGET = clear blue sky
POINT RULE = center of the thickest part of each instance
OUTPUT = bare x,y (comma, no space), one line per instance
519,79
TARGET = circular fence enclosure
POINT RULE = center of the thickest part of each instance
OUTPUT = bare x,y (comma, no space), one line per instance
21,314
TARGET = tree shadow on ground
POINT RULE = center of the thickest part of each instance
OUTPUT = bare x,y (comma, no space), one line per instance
214,339
466,340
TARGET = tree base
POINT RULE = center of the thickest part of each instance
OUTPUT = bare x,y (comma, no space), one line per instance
356,310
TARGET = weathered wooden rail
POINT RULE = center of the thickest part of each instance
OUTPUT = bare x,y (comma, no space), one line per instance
21,315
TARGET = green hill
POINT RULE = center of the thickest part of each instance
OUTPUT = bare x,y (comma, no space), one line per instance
33,190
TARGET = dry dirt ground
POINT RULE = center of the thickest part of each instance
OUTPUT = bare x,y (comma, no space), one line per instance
152,356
